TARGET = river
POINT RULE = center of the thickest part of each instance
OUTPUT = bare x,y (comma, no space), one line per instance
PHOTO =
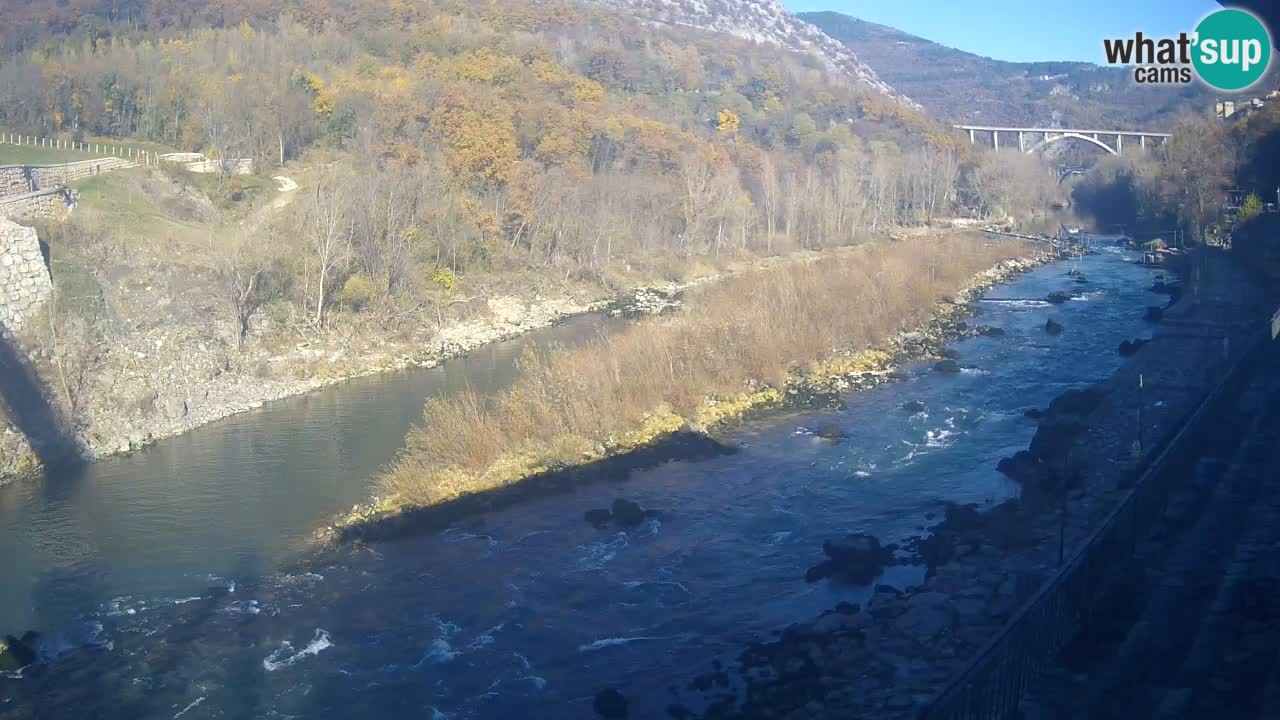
176,582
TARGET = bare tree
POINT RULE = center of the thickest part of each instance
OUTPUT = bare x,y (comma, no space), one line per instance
328,228
243,268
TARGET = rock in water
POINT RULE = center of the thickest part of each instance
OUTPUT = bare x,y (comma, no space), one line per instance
946,366
627,513
16,654
1053,327
913,406
1057,297
598,518
856,559
610,703
950,354
831,432
1130,347
989,331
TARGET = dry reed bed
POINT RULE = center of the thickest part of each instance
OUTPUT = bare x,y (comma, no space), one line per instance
728,351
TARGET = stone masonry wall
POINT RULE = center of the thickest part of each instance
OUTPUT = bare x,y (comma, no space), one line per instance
49,176
14,180
51,204
25,284
23,179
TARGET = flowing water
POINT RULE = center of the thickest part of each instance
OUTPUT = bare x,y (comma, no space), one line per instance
164,570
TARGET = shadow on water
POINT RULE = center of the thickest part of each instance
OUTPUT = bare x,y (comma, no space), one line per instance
25,398
214,637
681,445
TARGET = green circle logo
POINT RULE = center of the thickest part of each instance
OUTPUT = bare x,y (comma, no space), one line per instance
1232,49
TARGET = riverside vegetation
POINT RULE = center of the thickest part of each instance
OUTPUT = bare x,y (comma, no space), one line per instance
455,159
748,343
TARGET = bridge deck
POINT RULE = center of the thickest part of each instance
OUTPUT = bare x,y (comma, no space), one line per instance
1130,133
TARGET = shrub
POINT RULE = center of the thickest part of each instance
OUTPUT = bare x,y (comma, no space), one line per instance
1250,208
357,291
445,278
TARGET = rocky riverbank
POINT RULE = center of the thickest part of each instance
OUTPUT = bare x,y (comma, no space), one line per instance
825,383
888,659
169,379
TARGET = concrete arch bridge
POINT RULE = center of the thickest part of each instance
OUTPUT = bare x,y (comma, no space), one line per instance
1032,140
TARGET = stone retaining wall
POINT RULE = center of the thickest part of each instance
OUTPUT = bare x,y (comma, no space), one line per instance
15,180
25,284
52,204
49,176
24,179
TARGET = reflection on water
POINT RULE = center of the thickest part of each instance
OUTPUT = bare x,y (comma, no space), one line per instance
234,497
530,610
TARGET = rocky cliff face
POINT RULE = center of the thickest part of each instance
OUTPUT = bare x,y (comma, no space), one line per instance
764,21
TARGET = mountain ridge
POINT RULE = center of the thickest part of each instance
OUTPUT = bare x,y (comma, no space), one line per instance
983,90
765,21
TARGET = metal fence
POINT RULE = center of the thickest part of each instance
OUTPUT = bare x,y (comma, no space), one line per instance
992,684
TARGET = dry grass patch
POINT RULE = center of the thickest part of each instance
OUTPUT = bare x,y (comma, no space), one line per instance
726,353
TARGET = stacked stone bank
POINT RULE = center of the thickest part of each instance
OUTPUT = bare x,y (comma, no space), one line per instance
25,285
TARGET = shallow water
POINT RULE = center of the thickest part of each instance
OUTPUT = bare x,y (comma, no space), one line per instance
530,609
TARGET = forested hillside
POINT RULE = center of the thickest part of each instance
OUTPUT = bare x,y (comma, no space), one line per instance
480,133
452,157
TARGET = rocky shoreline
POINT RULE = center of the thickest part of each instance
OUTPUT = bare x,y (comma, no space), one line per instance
170,411
162,382
890,658
822,385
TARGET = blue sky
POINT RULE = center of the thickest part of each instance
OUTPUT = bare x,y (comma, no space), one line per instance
1023,30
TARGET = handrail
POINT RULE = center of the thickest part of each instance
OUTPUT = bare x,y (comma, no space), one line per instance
992,683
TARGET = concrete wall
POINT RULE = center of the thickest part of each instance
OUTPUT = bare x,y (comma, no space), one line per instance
25,284
52,204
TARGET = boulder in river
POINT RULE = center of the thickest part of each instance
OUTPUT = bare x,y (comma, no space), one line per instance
627,513
1023,468
1057,297
990,331
913,406
17,653
946,366
1130,347
950,354
610,703
831,432
856,559
1077,402
598,518
1053,327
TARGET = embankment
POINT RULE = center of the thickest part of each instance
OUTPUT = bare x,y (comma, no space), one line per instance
795,335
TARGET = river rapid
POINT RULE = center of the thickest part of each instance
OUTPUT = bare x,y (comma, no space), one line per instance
177,583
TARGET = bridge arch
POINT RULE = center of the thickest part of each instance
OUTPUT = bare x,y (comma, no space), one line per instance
1063,136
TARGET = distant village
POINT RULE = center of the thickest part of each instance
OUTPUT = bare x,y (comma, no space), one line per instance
1239,110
